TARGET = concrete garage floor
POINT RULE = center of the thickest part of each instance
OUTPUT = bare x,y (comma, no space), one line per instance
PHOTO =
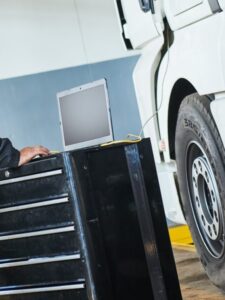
193,280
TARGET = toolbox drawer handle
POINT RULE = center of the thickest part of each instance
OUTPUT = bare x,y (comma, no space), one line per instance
34,205
36,233
31,177
40,260
43,289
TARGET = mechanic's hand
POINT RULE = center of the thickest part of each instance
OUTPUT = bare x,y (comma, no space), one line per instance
28,153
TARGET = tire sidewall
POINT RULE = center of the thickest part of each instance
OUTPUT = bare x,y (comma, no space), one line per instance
193,125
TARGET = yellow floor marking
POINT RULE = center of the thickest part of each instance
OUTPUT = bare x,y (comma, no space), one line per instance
180,236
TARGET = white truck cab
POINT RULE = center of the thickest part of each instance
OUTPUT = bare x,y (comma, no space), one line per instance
180,87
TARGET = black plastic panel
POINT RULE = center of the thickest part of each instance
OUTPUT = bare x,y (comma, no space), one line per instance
215,6
37,166
119,238
147,5
28,191
152,222
43,273
47,245
61,295
40,217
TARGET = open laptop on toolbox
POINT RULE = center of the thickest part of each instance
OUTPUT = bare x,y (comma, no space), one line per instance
84,114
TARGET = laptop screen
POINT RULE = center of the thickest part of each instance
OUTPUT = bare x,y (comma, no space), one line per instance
85,115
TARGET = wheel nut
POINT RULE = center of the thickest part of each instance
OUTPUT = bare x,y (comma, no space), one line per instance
203,220
206,176
197,200
210,230
214,229
216,216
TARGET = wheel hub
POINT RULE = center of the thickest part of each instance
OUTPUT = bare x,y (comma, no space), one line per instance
206,198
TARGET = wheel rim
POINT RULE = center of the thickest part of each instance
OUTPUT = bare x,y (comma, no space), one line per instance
205,200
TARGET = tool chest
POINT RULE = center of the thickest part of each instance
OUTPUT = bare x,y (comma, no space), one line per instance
39,244
71,228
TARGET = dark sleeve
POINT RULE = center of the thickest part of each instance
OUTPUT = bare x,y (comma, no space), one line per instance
9,156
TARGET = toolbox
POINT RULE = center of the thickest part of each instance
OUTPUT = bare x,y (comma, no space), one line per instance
85,225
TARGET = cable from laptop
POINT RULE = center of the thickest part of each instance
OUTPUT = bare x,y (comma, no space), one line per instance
131,139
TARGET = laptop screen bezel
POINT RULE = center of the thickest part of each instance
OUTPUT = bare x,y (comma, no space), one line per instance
93,142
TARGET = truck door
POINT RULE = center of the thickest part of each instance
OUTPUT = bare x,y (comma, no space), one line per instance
181,13
138,22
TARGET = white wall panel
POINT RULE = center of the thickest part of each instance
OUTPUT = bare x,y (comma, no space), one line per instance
43,35
36,36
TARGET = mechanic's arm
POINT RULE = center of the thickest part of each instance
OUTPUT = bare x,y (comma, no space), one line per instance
11,157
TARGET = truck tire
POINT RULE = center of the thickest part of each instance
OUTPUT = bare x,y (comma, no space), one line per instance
200,158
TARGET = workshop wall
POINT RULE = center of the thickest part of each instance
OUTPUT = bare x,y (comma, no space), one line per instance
38,36
29,113
49,46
